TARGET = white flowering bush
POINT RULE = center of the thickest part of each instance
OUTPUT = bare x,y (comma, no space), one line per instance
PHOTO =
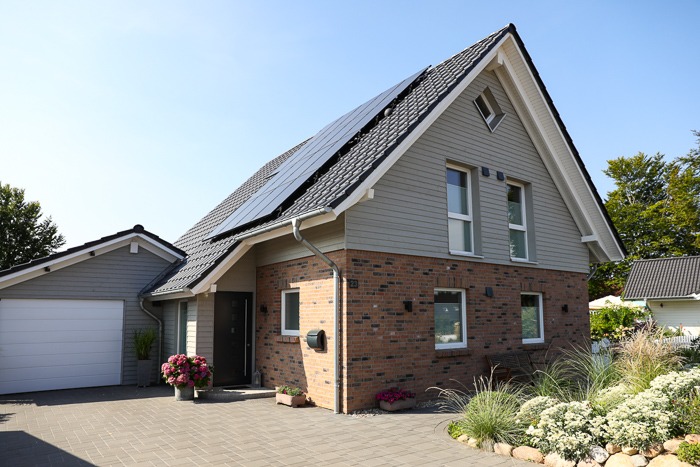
564,429
531,411
640,421
611,397
676,383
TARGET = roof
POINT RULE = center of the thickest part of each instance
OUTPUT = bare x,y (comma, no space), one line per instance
351,167
664,278
79,253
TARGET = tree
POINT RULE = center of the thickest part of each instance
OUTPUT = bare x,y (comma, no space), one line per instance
656,210
23,236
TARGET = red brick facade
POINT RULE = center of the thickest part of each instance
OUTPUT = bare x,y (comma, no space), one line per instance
384,345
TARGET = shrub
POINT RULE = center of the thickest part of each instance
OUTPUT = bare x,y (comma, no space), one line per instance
610,397
615,321
564,429
531,411
688,411
143,340
689,453
454,430
394,394
182,371
290,391
643,356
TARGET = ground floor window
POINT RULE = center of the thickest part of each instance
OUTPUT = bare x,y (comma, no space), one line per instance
532,322
450,318
290,312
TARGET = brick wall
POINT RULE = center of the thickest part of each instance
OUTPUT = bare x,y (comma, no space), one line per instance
387,346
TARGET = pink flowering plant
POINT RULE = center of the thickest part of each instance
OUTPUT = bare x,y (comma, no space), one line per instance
394,394
182,371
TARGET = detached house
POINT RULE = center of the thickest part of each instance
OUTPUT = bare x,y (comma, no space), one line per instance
446,219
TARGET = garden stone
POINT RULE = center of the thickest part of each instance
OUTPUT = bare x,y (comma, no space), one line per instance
630,451
619,460
555,460
612,448
599,454
473,443
639,460
526,453
463,439
667,460
503,449
692,439
588,462
653,451
672,445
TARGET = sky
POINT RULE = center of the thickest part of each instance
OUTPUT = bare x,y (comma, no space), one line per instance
116,113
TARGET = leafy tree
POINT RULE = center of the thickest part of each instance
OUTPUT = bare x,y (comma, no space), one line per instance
23,236
656,210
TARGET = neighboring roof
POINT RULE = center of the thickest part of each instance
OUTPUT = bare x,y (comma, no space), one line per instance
664,278
80,253
355,163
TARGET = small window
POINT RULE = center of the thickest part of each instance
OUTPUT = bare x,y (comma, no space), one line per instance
489,109
450,319
459,222
290,312
531,315
517,222
182,328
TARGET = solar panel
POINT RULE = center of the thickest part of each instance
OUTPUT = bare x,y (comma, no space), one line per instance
303,164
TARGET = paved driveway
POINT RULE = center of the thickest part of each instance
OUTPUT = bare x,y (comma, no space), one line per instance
128,426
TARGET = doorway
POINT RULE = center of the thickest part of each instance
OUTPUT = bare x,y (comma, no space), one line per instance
233,338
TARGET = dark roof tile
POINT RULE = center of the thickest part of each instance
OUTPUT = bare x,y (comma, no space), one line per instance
663,278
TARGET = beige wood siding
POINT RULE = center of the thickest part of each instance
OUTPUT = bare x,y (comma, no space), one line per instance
409,212
116,275
241,277
673,313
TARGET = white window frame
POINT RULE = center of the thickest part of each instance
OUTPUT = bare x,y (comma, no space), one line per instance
179,345
285,331
463,304
491,111
538,340
491,114
523,216
459,216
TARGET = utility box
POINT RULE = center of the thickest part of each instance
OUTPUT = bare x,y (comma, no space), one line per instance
316,339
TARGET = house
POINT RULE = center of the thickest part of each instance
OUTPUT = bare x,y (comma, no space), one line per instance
446,219
671,288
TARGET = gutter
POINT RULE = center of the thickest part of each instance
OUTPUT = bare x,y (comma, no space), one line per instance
160,330
296,224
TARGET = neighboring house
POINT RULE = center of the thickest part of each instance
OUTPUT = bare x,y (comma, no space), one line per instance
671,288
68,320
446,219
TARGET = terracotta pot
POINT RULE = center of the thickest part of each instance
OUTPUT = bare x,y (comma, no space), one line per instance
398,405
184,394
292,401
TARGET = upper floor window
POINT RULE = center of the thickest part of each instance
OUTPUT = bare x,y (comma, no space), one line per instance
459,211
290,312
489,109
531,314
450,318
517,221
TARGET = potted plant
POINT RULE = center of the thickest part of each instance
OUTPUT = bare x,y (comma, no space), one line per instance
143,341
291,396
396,399
185,374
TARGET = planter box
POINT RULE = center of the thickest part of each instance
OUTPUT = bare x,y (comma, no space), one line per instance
292,401
143,373
398,405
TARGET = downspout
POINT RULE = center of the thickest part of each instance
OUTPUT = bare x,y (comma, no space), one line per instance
296,224
160,330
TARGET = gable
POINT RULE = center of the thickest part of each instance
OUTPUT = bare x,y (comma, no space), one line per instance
408,213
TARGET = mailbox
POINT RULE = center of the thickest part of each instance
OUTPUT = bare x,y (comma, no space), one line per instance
316,339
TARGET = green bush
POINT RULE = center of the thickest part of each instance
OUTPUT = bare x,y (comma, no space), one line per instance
143,340
615,321
689,453
454,430
688,410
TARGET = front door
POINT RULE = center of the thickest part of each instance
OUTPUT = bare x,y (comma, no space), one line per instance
233,338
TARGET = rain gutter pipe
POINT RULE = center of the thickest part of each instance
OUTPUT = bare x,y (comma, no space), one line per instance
160,331
296,224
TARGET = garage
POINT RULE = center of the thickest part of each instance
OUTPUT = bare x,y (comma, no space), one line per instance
59,344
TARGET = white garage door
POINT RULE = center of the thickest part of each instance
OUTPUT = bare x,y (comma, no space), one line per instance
59,344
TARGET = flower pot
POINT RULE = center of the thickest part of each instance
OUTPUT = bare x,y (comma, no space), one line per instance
143,372
292,401
184,394
398,405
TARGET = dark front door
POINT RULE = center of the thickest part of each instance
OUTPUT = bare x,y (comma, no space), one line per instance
233,338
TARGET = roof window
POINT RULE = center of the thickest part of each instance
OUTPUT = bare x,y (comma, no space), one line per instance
489,109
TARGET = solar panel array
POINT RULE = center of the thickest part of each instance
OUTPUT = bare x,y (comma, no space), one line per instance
302,165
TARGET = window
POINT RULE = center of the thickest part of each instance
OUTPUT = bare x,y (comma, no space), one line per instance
459,216
531,315
517,222
290,312
182,328
450,319
489,109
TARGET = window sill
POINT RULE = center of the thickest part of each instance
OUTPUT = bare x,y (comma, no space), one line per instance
446,353
287,339
464,253
524,261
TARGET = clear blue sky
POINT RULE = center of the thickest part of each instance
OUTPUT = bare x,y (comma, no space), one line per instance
125,112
